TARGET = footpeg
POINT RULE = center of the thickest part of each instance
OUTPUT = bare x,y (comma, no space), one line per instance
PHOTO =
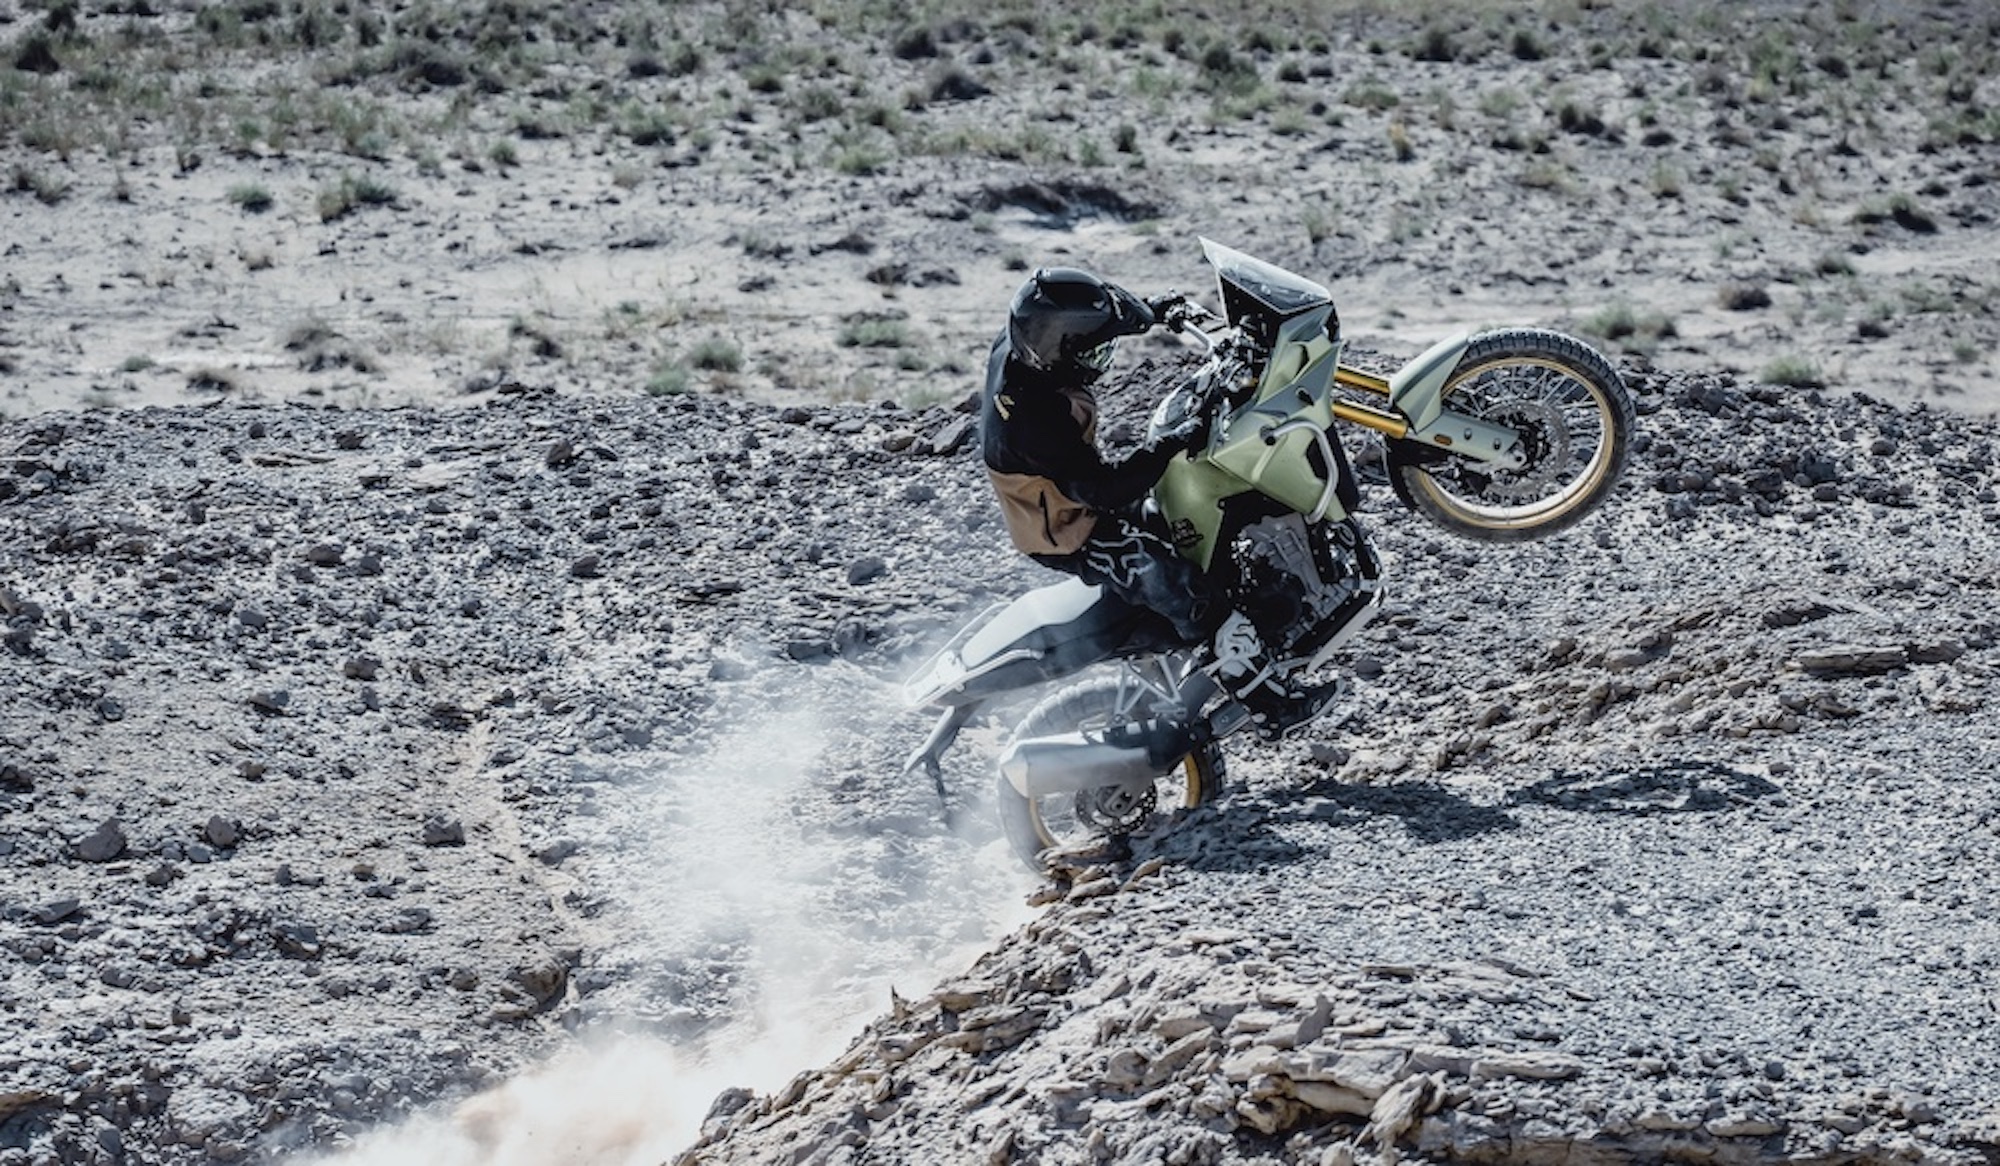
1277,714
1227,719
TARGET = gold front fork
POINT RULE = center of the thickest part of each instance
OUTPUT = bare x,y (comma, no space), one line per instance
1381,420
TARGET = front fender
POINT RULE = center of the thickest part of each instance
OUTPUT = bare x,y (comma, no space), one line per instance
1417,389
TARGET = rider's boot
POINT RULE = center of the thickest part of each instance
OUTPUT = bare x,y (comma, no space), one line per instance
1277,705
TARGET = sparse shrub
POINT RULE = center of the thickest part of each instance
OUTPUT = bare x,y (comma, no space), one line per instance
1525,45
717,354
252,197
670,378
1435,44
1794,372
874,332
918,43
504,154
1318,224
1225,72
370,191
46,188
136,364
1500,104
1744,297
1834,264
860,157
1127,140
1924,297
817,103
541,341
213,380
1911,217
1546,174
954,83
760,246
1290,122
1399,142
1900,209
1629,328
683,61
59,18
1371,93
1575,119
648,127
36,54
429,65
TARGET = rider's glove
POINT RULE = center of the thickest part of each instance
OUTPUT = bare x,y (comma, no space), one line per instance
1190,432
1159,305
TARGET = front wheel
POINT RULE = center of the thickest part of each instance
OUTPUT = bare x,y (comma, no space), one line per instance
1070,821
1575,419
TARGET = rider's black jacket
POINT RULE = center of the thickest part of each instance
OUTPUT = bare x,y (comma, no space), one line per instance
1039,436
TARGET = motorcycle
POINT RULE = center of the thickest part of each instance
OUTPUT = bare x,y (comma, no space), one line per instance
1503,436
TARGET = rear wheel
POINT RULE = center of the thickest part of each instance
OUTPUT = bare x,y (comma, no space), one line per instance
1095,815
1574,416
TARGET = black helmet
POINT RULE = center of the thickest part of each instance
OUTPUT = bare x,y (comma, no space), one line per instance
1065,321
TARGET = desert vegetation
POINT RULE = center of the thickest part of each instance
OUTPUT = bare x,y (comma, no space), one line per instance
1599,139
855,85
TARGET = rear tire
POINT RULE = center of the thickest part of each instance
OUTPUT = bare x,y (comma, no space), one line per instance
1575,414
1071,821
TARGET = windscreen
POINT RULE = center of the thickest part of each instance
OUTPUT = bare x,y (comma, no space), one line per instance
1273,287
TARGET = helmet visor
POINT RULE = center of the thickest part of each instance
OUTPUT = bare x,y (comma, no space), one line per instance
1097,359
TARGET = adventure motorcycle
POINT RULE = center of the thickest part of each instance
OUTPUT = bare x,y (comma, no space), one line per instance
1502,436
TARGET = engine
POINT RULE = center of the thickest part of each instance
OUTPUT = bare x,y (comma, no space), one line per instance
1303,586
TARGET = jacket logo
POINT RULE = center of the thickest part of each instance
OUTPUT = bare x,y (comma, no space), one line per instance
1005,405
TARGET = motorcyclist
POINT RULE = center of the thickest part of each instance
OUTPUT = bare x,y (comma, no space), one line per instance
1068,508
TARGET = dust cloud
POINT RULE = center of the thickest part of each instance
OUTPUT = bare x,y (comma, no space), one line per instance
763,903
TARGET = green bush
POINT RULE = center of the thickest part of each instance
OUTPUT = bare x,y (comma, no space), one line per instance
670,379
875,333
1795,372
716,354
252,197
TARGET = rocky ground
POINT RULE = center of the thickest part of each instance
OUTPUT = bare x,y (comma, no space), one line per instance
1669,840
468,499
359,760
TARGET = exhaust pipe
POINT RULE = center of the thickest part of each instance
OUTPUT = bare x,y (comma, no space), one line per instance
1071,763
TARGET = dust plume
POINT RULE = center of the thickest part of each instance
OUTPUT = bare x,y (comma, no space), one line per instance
770,894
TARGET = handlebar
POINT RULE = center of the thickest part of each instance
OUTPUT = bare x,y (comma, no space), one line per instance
1183,317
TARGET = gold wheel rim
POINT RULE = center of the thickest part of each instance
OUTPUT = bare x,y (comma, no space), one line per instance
1598,467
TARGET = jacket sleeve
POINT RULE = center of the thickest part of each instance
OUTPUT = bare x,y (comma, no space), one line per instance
1058,448
1114,486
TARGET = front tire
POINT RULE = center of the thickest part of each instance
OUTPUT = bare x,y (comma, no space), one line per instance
1572,410
1071,821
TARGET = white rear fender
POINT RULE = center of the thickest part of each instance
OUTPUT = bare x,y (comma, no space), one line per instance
1000,635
